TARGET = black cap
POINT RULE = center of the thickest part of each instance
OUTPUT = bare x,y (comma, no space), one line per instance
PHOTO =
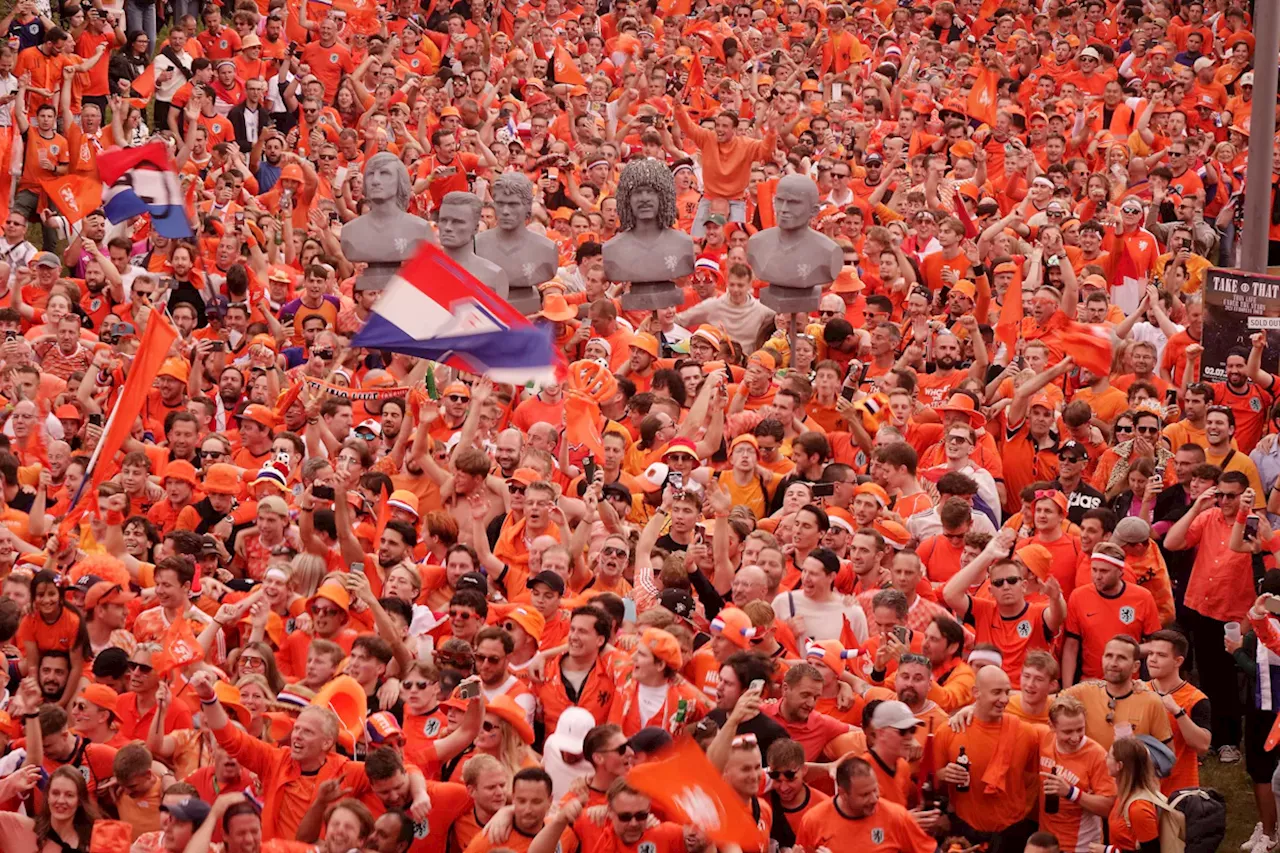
650,739
679,602
473,580
1074,447
208,545
549,578
866,161
86,583
617,490
189,810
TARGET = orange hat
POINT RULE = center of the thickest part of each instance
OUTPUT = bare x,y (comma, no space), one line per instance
275,628
524,476
111,836
681,445
529,619
876,491
1007,266
183,471
556,309
504,708
102,696
292,172
456,388
745,438
963,404
103,566
106,592
1206,100
1037,558
847,282
450,111
645,342
259,414
709,334
842,517
333,592
963,148
1058,498
765,359
965,288
404,499
662,646
345,697
810,86
175,368
1095,280
263,341
222,479
893,532
1042,400
229,697
67,412
735,626
830,654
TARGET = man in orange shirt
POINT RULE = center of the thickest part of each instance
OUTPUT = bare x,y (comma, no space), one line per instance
990,795
44,62
1190,715
1073,769
859,820
726,162
328,58
1099,611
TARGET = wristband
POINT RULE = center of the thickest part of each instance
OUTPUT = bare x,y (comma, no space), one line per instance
979,270
213,701
113,517
1074,794
1242,516
31,716
1182,712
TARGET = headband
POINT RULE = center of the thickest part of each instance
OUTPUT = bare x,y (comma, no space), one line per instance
985,656
1107,558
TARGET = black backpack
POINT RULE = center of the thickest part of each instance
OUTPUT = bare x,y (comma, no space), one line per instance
1205,813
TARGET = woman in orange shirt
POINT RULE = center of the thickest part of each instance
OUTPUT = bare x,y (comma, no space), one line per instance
52,627
1134,822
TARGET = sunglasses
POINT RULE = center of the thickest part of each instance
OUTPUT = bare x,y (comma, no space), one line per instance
958,439
457,398
144,668
248,660
1120,429
1228,496
488,726
516,490
1111,710
620,750
629,817
493,659
416,685
789,775
1071,458
212,454
613,552
1148,430
1005,582
509,626
325,611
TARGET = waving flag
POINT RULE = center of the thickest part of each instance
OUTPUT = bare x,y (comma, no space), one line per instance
75,196
437,310
142,181
1090,346
566,69
692,792
145,83
981,104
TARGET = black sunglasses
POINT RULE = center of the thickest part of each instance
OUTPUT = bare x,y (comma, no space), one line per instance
144,668
1005,582
789,775
416,685
628,817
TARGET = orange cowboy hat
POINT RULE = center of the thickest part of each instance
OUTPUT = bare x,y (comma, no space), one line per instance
963,404
504,708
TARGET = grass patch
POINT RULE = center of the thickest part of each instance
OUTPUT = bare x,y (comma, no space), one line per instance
1234,784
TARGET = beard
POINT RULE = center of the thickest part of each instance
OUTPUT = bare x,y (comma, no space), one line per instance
946,362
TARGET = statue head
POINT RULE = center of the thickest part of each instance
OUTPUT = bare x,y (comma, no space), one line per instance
795,202
646,192
458,219
512,200
386,179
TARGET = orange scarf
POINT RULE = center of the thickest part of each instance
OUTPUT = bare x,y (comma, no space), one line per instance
998,769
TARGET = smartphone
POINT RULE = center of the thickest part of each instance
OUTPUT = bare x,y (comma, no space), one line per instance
758,684
822,490
1171,397
676,479
469,689
1020,362
324,493
902,633
848,391
239,219
1271,604
217,346
357,568
589,468
95,418
1251,527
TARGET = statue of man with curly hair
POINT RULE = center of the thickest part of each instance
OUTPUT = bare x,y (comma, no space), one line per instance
647,251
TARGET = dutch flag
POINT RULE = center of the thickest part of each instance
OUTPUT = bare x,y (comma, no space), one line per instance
142,181
435,309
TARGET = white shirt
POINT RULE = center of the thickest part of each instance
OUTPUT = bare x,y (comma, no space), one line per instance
8,86
822,620
166,91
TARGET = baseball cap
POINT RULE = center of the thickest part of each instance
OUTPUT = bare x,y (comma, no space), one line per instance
473,580
548,577
106,592
894,715
650,739
370,425
1073,447
716,219
273,503
188,810
679,602
46,259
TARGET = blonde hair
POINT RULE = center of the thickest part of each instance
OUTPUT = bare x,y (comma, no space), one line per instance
1136,779
306,571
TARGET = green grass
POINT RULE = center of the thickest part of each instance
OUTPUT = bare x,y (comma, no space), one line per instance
1234,784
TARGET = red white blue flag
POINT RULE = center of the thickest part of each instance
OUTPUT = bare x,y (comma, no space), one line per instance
435,309
142,181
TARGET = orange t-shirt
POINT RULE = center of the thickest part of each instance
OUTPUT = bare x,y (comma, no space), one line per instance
888,829
1137,824
60,636
1186,767
983,809
1094,618
1014,635
1086,768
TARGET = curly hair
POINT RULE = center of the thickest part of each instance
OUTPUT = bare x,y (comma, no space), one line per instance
646,172
514,184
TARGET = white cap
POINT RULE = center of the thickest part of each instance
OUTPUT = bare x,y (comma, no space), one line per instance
1202,63
1090,53
894,715
571,730
1246,79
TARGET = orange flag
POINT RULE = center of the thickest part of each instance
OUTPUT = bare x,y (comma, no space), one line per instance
1090,346
690,790
145,83
697,77
154,347
75,196
1273,736
1010,323
566,69
982,97
180,648
582,424
848,639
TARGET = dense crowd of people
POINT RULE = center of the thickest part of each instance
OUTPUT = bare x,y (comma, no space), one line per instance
916,571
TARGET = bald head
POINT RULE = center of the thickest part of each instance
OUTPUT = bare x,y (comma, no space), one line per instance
751,583
991,693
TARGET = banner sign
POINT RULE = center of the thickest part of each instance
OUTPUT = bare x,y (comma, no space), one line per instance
1238,304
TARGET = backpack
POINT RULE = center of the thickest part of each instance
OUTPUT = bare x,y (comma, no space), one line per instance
1204,813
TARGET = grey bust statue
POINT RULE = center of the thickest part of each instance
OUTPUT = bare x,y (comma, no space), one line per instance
795,260
458,221
528,259
386,236
647,251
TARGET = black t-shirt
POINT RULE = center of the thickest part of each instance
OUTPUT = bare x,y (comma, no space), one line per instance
1080,501
765,729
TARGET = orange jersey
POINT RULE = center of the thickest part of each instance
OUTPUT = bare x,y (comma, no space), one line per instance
1186,768
1094,618
984,806
888,829
1086,769
1014,635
